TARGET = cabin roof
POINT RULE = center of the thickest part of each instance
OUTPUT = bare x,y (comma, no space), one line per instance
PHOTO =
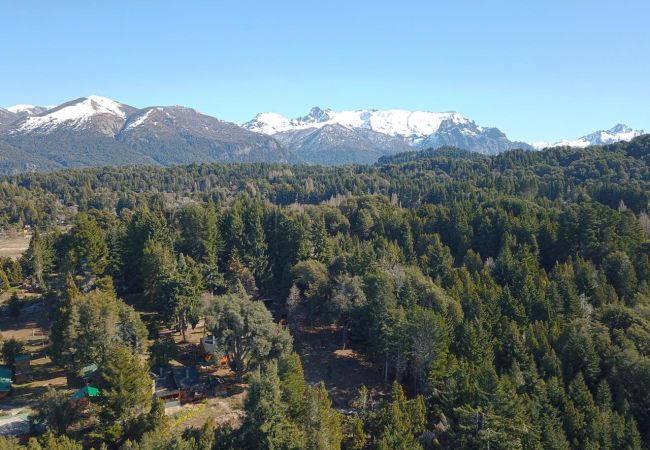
86,391
88,370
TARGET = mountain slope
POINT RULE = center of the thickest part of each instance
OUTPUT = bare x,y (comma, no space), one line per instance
176,135
94,113
469,136
6,118
11,114
93,131
454,153
336,144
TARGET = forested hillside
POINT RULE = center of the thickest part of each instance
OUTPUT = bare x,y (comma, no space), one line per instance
503,301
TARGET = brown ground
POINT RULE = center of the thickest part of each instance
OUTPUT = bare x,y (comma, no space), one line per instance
342,371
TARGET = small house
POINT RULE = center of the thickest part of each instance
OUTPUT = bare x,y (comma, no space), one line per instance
82,396
86,375
86,392
164,387
174,385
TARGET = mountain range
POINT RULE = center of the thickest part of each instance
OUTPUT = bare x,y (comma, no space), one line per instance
390,128
94,130
617,133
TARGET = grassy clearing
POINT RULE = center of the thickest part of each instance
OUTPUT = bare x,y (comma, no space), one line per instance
14,245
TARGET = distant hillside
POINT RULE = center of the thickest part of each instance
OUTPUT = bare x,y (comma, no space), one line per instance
449,152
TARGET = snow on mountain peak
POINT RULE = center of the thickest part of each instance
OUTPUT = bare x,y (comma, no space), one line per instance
413,125
269,123
76,112
20,108
619,132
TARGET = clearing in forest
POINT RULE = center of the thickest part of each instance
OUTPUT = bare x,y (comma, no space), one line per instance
14,244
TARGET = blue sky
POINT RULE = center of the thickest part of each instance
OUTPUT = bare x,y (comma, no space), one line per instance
537,70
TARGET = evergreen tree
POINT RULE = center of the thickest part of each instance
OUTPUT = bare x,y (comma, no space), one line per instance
266,425
127,387
85,248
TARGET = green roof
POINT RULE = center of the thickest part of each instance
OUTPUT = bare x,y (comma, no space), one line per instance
5,385
23,358
88,370
86,391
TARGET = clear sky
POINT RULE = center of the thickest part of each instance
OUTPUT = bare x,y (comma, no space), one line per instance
538,70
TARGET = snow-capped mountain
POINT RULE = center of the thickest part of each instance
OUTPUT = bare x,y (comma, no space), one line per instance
101,113
13,113
27,110
617,133
414,126
470,136
419,129
94,130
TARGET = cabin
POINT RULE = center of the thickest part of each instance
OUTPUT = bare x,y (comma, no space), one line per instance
177,385
86,375
82,397
164,387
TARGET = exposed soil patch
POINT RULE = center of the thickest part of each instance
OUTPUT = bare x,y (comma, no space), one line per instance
342,371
